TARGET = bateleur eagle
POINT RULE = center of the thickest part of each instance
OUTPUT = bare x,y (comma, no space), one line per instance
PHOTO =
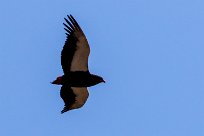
74,61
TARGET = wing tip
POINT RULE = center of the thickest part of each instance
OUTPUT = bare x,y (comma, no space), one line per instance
65,109
73,22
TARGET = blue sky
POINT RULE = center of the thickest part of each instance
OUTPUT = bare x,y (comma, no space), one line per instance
149,52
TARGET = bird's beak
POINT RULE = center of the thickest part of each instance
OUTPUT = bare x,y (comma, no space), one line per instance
53,82
104,81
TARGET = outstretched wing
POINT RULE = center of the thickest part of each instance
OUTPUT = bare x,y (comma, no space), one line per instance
75,53
73,97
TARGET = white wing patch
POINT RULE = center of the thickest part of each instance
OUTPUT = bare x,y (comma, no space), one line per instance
80,58
81,96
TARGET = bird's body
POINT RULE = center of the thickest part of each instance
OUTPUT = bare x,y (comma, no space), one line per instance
79,79
74,61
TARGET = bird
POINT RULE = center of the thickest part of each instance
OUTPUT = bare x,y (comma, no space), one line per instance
74,62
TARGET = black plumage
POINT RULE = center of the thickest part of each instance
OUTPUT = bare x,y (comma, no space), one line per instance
74,61
68,97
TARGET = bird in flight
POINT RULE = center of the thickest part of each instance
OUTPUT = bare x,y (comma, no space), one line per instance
74,61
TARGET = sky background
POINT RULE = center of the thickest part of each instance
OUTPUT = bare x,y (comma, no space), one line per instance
150,52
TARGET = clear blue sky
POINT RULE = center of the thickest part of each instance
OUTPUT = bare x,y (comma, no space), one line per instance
150,52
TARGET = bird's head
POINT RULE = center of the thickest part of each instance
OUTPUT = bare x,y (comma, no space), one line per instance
58,81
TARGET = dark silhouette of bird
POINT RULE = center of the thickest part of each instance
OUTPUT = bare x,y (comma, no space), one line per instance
74,61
